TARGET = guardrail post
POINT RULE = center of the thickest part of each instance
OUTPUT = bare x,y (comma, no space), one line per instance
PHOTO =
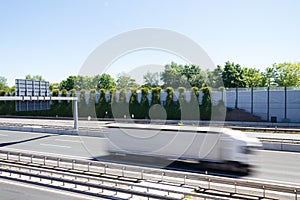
208,183
73,164
264,191
19,158
142,174
296,196
105,166
7,156
235,187
63,181
31,158
123,171
88,166
58,162
45,160
162,176
184,180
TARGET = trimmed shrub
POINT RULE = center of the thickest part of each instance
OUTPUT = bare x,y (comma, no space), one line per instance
144,104
120,109
206,107
172,108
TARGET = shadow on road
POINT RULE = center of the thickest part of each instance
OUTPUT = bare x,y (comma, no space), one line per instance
177,165
22,141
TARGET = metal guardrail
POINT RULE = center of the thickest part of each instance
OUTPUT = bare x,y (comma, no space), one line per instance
185,178
279,140
266,129
100,183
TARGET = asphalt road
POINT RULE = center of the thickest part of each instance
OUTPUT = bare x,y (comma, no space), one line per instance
11,190
271,165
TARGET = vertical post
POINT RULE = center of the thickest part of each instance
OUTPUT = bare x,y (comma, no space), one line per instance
268,104
252,100
285,103
75,113
236,97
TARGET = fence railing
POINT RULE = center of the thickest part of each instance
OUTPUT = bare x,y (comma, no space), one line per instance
207,182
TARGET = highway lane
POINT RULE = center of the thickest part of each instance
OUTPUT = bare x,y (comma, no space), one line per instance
67,145
68,124
271,165
12,190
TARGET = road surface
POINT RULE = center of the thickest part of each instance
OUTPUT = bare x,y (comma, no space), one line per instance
12,190
271,165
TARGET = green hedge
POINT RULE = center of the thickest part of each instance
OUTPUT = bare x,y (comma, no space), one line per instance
178,110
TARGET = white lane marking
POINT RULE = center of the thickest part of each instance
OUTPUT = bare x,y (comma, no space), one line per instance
4,135
68,140
53,145
32,126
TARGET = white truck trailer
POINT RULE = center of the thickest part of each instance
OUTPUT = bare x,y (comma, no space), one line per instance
217,145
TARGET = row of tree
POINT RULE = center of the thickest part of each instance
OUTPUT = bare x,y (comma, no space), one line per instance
231,75
175,75
179,109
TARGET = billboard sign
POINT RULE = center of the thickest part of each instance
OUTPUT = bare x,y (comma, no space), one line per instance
31,88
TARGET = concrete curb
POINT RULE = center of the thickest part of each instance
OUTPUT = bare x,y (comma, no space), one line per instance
281,147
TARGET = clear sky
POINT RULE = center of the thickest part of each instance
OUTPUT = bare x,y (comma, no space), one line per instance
53,38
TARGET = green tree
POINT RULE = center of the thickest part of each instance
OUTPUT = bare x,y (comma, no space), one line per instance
252,77
172,108
120,109
54,86
151,79
233,75
124,81
3,83
34,77
134,106
194,76
206,107
83,82
172,75
103,108
104,81
287,74
268,77
144,104
68,84
214,78
175,76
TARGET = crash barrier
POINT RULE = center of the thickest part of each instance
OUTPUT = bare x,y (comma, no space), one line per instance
202,181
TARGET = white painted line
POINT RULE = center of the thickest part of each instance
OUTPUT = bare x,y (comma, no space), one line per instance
53,145
32,126
68,140
4,135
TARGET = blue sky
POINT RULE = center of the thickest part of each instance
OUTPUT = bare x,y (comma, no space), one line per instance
53,38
